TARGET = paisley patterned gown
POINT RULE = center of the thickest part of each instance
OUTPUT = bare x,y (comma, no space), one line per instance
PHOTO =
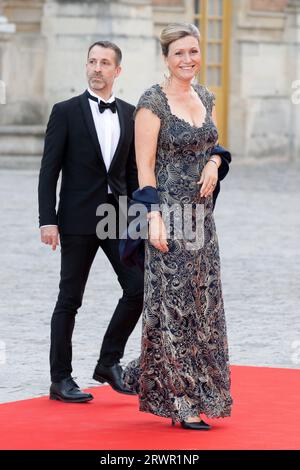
183,368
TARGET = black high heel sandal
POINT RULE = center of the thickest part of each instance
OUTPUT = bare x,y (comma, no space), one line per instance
196,425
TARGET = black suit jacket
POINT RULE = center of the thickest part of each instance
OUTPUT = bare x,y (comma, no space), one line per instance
72,148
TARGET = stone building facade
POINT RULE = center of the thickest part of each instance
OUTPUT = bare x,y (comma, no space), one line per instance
251,53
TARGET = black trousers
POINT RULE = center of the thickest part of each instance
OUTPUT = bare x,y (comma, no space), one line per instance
77,255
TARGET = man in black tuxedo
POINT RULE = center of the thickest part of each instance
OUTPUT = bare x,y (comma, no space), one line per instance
90,140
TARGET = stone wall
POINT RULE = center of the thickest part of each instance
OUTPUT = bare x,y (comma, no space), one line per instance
69,28
43,62
23,64
265,51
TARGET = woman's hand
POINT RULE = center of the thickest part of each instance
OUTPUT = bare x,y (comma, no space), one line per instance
209,178
157,232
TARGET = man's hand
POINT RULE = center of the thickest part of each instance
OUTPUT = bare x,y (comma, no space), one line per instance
50,236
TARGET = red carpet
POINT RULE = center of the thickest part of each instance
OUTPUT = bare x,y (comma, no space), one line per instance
266,415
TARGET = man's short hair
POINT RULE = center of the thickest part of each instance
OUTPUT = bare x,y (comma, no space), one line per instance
108,45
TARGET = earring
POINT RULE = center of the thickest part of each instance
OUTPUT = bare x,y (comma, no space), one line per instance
167,79
196,78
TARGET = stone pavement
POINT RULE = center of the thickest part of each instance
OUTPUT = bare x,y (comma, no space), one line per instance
258,224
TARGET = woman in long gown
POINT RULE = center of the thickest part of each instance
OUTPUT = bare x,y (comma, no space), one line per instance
183,369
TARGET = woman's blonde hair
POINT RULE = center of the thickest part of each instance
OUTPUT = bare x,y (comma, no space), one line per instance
175,31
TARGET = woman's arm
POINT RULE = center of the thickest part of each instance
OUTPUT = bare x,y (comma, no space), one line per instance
216,158
222,156
147,126
209,175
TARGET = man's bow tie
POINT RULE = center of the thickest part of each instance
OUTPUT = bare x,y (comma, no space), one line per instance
102,105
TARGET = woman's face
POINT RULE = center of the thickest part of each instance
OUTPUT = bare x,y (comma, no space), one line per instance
184,58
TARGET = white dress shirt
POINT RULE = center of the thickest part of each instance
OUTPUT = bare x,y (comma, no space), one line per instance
107,126
108,130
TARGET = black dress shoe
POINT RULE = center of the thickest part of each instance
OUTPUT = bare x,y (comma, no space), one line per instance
68,391
113,376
